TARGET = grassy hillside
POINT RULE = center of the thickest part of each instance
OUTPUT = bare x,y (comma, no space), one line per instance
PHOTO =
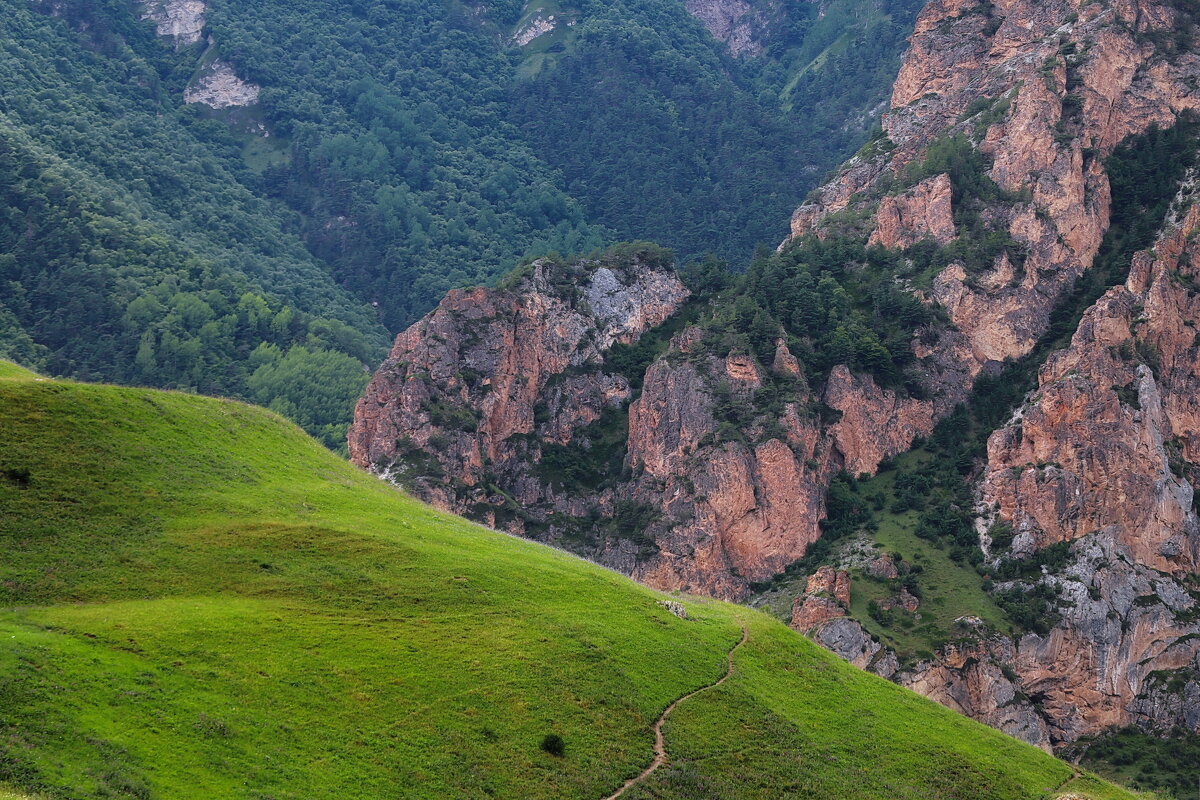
11,371
949,590
1164,764
197,600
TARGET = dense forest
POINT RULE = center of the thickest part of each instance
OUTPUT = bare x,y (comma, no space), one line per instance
663,138
412,147
409,179
424,157
658,138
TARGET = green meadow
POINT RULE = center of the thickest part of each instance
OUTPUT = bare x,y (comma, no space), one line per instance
197,600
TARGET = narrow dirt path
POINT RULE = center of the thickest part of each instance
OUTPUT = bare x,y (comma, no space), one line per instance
1076,775
660,747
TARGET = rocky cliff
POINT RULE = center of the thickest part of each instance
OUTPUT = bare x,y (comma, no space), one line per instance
182,20
218,86
1044,91
471,376
688,460
592,405
216,83
735,23
1098,463
513,406
1100,458
1103,457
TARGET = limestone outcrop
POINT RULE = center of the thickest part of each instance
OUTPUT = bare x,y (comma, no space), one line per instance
735,23
540,23
218,86
182,20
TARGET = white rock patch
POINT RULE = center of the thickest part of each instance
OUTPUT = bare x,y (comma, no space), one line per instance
531,30
221,88
182,20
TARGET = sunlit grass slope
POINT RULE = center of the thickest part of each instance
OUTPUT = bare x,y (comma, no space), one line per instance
199,601
10,370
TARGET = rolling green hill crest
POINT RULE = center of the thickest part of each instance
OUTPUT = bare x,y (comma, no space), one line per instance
200,601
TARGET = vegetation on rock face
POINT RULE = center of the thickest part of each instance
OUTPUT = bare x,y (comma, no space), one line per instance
1162,764
921,504
202,602
978,243
1145,174
840,302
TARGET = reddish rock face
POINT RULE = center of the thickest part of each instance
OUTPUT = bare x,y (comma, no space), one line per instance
1102,455
458,396
1106,441
923,212
827,597
1002,73
904,601
809,611
476,395
835,583
742,508
883,568
875,423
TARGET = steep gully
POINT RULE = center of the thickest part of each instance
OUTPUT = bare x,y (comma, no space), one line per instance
660,747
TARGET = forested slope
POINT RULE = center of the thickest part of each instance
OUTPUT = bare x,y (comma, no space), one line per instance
131,251
636,96
408,176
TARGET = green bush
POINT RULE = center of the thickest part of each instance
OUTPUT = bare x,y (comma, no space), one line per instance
553,744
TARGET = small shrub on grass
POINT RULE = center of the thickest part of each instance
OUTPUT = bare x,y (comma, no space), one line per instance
18,475
553,744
